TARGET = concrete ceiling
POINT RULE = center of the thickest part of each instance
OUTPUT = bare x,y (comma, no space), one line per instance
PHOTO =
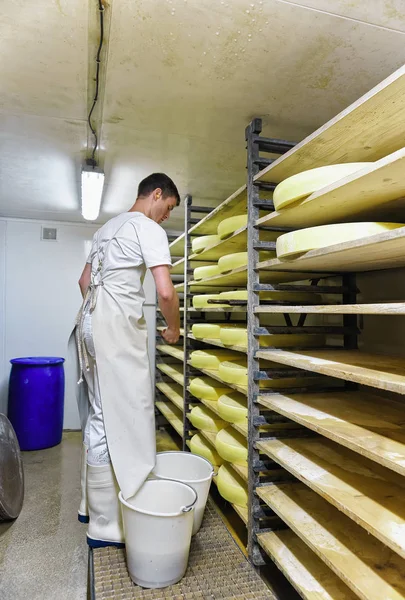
180,81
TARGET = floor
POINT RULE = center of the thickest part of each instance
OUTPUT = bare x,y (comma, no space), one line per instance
43,554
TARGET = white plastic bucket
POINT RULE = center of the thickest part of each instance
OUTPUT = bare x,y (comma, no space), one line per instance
158,522
191,469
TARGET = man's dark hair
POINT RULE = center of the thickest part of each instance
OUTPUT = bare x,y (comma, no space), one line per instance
158,180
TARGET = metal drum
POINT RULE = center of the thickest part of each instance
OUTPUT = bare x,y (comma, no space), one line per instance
11,472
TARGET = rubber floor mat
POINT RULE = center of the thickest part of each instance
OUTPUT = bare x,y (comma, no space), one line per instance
217,570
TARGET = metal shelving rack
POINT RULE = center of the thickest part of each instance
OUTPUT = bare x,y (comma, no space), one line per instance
260,518
302,474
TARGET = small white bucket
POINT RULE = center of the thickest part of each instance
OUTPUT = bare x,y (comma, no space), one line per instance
158,522
191,469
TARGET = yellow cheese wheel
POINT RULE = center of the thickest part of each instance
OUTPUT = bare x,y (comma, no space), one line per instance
200,446
203,418
210,359
232,407
205,272
304,184
232,487
312,238
209,331
233,372
232,446
201,300
239,259
236,372
277,296
228,226
199,244
206,388
233,336
237,336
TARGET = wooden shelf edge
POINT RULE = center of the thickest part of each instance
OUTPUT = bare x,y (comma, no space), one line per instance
219,344
312,579
338,417
348,550
167,412
348,481
374,370
382,308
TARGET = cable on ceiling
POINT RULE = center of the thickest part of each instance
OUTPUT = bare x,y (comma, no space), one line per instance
97,78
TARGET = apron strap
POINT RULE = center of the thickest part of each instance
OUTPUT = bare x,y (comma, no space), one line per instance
90,300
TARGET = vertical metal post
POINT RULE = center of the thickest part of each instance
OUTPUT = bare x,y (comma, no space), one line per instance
350,340
186,340
253,130
350,297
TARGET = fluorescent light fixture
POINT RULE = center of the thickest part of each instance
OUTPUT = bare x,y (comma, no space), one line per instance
92,190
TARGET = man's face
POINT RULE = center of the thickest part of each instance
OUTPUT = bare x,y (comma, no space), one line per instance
164,206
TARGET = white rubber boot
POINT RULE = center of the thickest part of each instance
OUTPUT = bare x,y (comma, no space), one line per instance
83,513
105,526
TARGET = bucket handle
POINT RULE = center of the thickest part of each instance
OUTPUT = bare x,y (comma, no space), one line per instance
186,509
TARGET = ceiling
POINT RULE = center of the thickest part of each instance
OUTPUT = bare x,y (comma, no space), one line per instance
180,80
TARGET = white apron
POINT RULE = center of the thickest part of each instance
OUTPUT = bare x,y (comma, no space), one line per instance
114,299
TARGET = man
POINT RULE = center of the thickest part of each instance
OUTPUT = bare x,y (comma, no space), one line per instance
115,387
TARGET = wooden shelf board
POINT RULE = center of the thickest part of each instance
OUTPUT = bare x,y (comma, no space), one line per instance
242,512
168,370
375,370
381,251
234,205
203,287
366,492
213,309
178,267
177,246
237,242
238,277
361,194
172,391
382,308
174,351
242,349
370,425
376,117
366,565
161,328
312,579
168,410
209,436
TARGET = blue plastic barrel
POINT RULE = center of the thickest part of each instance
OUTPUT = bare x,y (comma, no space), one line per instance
36,400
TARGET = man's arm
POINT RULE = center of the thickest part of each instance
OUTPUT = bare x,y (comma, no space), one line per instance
84,280
168,302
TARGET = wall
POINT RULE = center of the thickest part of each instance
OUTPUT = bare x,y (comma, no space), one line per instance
39,296
3,376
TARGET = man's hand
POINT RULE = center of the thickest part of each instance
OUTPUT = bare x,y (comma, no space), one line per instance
171,336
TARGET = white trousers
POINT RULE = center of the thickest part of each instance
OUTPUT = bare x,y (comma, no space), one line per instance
94,433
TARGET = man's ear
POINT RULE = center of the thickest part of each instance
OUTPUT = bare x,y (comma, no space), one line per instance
158,193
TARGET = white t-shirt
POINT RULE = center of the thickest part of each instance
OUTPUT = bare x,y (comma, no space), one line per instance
132,239
127,245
